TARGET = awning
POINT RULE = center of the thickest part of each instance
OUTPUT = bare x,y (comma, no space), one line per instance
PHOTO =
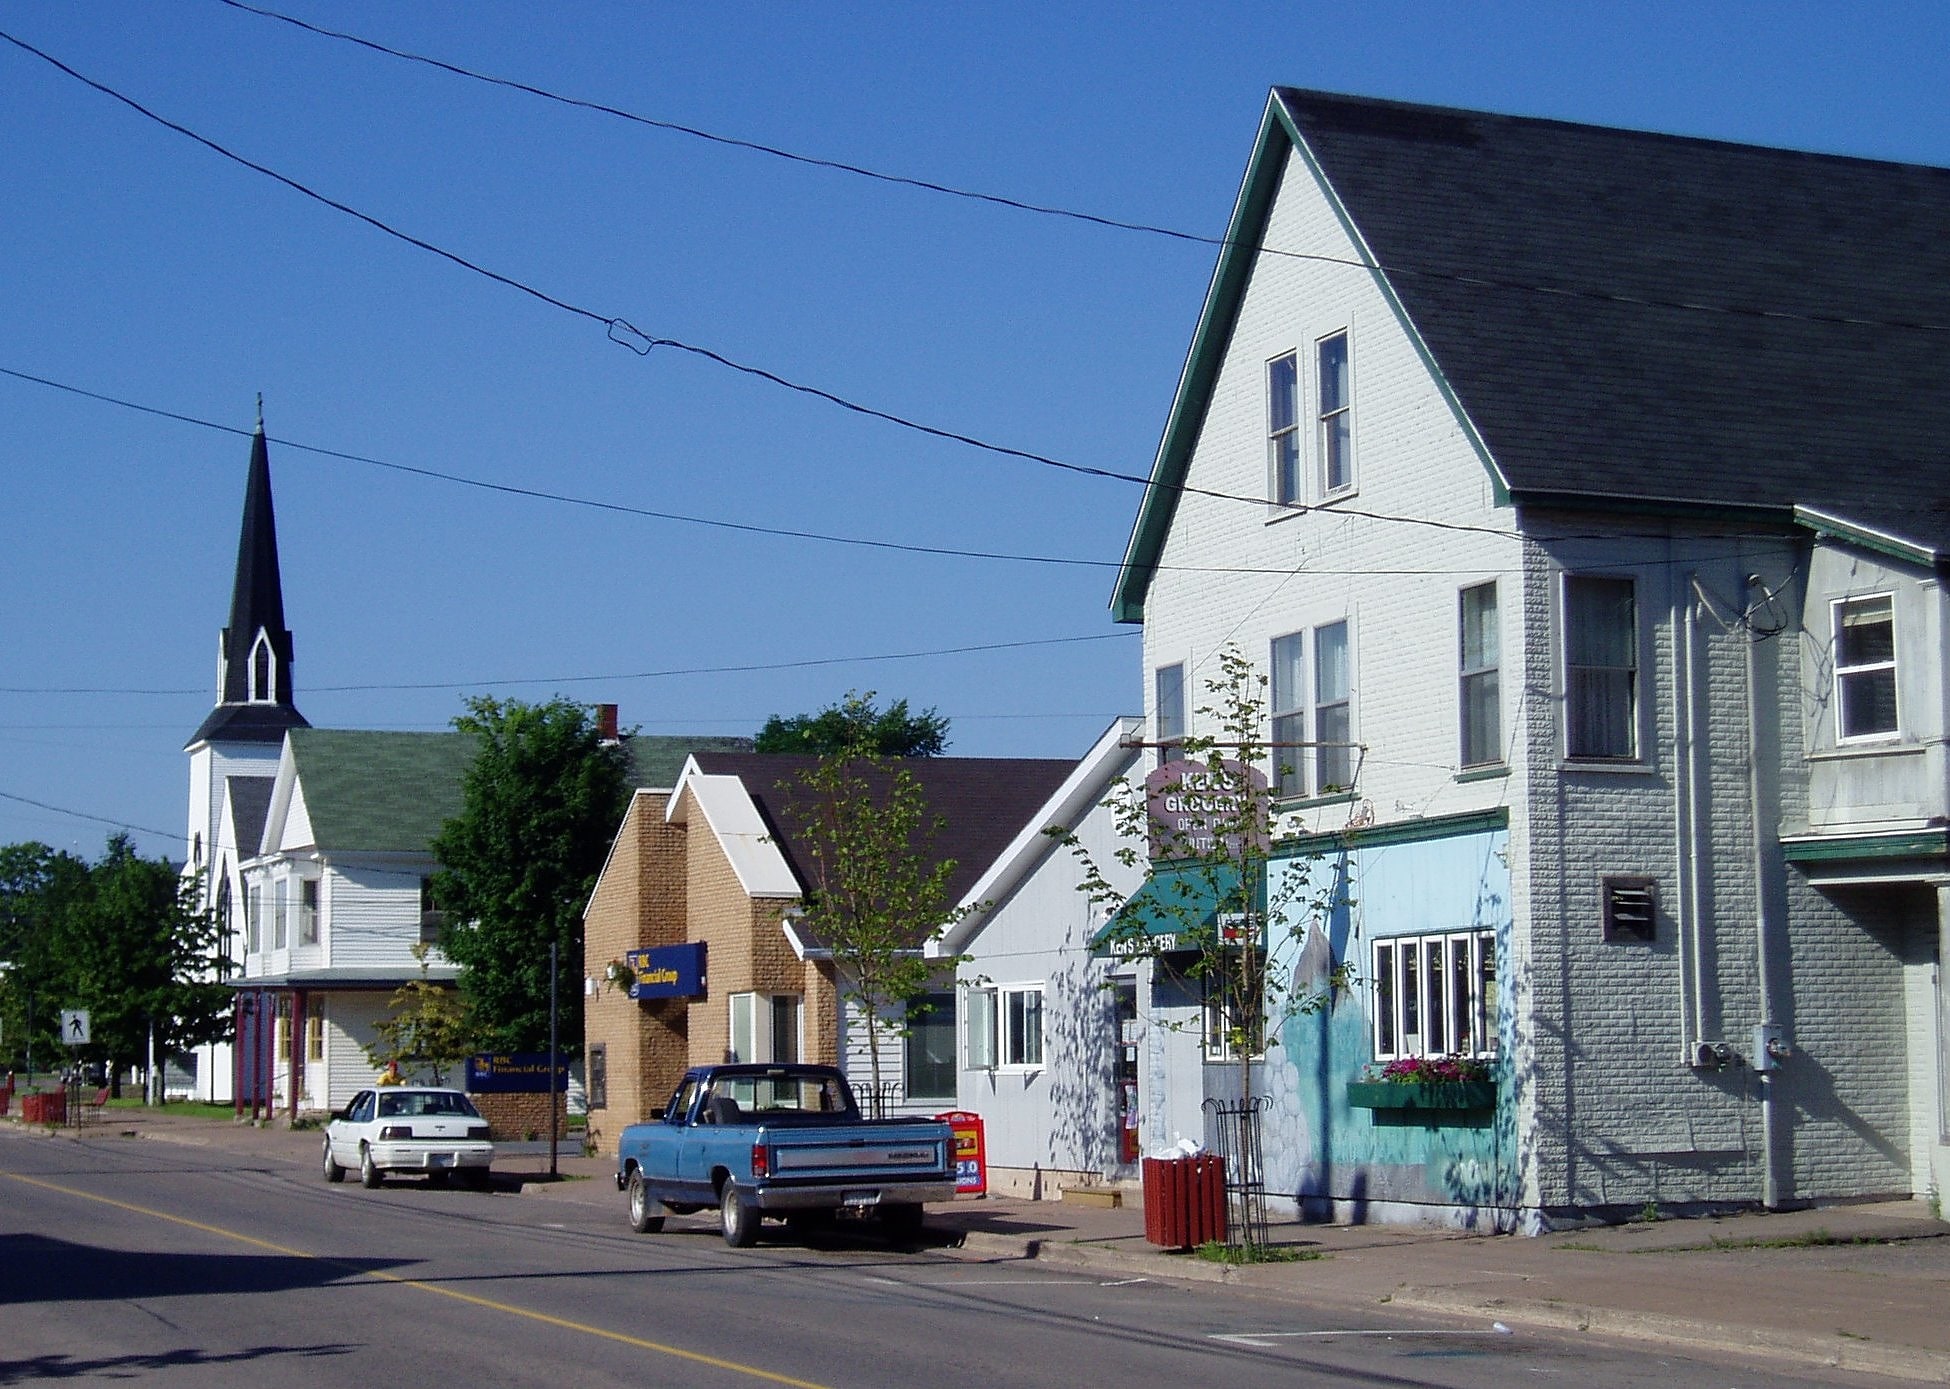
1178,908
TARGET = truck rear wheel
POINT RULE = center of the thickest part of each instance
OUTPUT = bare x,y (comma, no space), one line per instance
740,1221
642,1207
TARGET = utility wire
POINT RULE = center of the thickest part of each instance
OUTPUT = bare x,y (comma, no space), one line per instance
670,673
622,331
84,815
1091,218
620,508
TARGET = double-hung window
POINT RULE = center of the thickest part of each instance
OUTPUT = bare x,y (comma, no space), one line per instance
1333,716
280,914
1481,700
1865,668
1336,416
1005,1028
1289,717
1601,668
1435,995
1283,428
308,911
1168,702
253,918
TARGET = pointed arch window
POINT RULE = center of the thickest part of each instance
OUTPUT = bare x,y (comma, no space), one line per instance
264,688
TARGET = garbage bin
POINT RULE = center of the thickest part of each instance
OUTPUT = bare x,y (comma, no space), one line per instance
1184,1200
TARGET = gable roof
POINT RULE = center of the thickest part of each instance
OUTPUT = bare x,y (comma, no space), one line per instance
1625,317
984,802
250,802
377,791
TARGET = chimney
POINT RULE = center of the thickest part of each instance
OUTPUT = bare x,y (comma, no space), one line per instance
606,723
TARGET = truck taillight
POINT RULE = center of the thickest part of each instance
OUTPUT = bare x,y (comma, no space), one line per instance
761,1160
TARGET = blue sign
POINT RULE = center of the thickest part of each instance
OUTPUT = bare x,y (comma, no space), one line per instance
668,971
514,1073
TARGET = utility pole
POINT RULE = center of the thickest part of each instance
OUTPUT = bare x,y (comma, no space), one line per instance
554,1115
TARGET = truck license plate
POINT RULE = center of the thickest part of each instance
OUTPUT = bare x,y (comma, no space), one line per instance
859,1198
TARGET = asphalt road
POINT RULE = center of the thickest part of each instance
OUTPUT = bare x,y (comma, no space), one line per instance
123,1259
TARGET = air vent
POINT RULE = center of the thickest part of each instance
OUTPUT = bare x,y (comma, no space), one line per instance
1631,908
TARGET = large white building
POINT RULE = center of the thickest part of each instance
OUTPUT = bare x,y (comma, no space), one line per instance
1583,494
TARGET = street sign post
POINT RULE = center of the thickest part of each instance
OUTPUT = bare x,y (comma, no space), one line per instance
74,1027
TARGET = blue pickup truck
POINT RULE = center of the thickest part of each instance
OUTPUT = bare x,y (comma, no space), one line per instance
782,1141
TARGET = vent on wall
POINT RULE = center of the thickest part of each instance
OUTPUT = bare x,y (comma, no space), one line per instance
1631,908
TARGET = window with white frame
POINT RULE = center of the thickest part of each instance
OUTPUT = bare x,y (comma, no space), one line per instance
1435,995
263,688
1289,717
765,1027
1480,693
1283,428
308,911
1336,415
1230,1018
1865,668
1168,702
1005,1027
253,918
1601,667
280,914
1333,709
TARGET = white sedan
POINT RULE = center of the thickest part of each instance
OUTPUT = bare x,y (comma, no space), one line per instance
408,1128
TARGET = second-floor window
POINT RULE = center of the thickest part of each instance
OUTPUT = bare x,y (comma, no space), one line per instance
1865,668
1168,685
1333,710
1336,416
1601,668
1481,697
280,914
1289,716
308,911
253,918
1283,428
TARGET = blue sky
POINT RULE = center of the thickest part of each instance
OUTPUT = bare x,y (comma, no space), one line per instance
138,265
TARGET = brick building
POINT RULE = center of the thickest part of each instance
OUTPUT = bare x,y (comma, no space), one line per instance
1581,492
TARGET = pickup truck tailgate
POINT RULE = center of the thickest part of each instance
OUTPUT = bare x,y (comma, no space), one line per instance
812,1154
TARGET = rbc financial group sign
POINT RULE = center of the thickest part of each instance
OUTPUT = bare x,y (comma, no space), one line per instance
668,971
514,1073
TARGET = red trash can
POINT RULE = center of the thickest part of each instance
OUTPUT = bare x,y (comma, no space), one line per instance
1184,1200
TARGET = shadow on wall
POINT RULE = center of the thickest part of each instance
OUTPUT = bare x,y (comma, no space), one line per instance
1080,1053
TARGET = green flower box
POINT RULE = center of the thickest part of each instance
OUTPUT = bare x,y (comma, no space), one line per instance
1394,1094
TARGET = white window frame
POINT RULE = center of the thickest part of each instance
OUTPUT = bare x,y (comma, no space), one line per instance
1216,1037
280,914
1337,418
1848,675
754,1028
253,918
1169,722
993,1042
1466,1019
1285,466
1289,709
262,670
1479,684
1634,686
307,910
1334,757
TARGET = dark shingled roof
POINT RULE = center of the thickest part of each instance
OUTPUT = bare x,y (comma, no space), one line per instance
1629,317
1791,384
984,802
250,803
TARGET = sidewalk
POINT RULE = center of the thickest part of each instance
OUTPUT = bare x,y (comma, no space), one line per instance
1861,1288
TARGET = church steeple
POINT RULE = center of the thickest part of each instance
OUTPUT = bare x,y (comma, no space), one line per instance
255,702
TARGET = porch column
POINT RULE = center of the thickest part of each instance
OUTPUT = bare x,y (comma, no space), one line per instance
298,1003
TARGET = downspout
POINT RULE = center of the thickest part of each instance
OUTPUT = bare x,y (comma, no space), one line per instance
1685,907
1696,818
1770,1191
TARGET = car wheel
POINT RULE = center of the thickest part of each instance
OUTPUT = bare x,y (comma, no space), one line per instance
740,1221
904,1219
642,1206
333,1172
369,1174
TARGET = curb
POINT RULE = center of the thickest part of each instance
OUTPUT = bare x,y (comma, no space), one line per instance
1797,1348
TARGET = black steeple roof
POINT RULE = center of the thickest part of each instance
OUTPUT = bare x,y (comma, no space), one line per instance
254,696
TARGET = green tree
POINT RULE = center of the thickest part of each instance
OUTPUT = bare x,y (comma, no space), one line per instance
428,1026
878,895
123,939
541,803
37,885
1212,898
855,726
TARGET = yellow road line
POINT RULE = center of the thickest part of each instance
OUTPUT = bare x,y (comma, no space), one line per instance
637,1342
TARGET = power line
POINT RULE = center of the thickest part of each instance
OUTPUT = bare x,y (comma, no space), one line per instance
1090,218
667,674
540,494
84,815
